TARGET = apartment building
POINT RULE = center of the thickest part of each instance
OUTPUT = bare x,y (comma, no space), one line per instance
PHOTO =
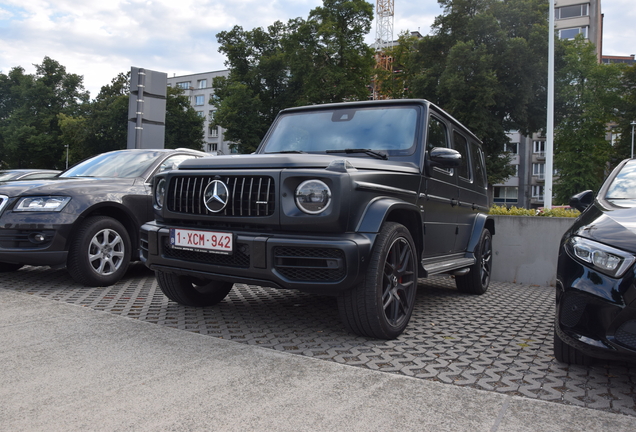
198,88
574,17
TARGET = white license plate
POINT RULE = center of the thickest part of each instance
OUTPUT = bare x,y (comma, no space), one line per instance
205,241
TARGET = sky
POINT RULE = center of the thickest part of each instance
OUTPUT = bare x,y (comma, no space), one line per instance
100,38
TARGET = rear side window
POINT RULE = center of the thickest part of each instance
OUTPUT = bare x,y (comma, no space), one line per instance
461,145
477,156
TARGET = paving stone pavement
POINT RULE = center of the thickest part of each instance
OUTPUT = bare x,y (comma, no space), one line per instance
500,341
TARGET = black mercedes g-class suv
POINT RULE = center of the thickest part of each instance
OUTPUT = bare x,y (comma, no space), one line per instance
355,200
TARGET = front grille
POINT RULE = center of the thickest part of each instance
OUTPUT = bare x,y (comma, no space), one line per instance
240,258
626,334
248,195
310,264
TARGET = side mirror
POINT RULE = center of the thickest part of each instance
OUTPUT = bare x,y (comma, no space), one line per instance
582,200
443,157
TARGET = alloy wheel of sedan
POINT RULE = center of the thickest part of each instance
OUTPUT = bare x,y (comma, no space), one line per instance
106,252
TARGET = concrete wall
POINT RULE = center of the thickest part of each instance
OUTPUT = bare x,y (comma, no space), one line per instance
525,249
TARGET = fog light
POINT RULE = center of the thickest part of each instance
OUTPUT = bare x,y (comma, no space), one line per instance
37,238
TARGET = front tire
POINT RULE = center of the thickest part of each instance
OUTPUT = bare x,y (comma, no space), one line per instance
381,305
189,291
565,353
478,278
100,252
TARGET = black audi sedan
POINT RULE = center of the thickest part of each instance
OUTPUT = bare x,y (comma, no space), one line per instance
596,297
87,218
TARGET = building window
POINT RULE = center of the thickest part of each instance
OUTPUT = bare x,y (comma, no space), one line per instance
506,194
571,33
214,132
185,85
199,100
212,147
516,167
538,170
200,113
512,148
202,83
537,192
538,147
572,11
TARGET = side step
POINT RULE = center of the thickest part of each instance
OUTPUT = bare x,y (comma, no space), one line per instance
432,268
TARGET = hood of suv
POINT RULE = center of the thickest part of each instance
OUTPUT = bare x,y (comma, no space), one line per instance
295,161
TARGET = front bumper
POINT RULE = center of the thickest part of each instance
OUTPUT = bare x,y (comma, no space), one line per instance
595,313
31,240
316,264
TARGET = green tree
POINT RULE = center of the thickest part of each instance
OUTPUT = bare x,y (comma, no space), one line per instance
30,133
318,60
184,127
485,64
588,93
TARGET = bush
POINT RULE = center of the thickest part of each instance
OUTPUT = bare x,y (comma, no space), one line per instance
516,211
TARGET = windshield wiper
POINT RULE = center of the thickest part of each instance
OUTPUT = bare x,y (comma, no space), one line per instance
289,151
370,152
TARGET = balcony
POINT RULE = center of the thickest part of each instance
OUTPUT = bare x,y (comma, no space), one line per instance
540,156
540,178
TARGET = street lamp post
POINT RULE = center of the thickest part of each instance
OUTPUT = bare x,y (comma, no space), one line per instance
633,123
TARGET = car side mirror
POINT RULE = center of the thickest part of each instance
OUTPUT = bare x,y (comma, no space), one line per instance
443,157
582,200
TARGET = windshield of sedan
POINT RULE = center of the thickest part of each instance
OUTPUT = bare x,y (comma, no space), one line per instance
387,129
623,186
122,164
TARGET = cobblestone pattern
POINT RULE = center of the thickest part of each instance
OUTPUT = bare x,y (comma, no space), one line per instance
501,341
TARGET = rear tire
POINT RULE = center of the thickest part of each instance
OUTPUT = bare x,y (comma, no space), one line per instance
565,353
478,278
8,267
381,305
189,291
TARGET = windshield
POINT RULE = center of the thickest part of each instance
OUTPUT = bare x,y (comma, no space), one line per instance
122,164
624,184
389,129
6,175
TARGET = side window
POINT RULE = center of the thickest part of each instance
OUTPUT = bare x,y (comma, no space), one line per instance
438,137
437,134
461,145
477,156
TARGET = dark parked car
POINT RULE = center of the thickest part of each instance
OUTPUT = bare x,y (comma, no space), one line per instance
26,174
355,200
596,296
87,218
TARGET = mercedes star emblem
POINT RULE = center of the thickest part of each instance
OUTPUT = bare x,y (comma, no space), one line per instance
216,196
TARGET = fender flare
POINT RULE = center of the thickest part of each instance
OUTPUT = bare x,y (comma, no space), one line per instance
482,221
377,210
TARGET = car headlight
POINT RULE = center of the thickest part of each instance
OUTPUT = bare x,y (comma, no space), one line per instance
313,196
160,193
42,203
606,259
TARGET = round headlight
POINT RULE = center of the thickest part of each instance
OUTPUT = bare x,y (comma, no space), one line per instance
313,196
160,193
